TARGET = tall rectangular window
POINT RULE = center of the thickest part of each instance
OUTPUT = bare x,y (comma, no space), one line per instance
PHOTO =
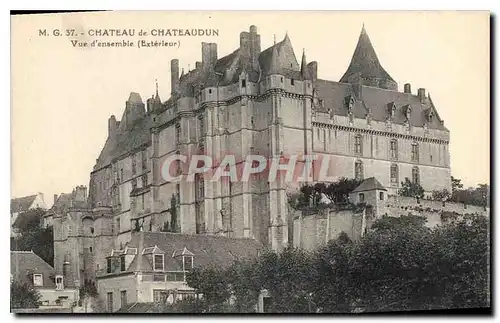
415,175
414,152
133,165
394,149
358,170
59,282
123,298
108,265
202,125
177,132
144,160
358,146
158,262
122,263
109,301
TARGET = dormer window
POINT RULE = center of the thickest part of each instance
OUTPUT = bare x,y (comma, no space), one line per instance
158,262
350,104
122,263
431,116
59,282
408,112
243,83
392,109
188,262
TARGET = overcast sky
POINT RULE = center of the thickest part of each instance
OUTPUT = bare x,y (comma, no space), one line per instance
62,96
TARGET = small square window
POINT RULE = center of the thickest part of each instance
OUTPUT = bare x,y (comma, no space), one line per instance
38,279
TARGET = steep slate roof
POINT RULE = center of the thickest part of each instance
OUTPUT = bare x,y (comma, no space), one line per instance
207,249
64,202
126,141
25,263
365,61
21,204
377,100
135,97
369,184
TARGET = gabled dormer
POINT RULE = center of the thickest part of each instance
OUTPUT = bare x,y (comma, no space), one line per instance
407,112
391,109
156,257
349,102
186,257
430,115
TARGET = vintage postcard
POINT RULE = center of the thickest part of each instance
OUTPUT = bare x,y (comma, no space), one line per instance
250,162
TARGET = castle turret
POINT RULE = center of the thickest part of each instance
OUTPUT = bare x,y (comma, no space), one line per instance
274,67
365,68
304,70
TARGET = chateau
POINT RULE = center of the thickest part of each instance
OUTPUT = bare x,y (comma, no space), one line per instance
252,101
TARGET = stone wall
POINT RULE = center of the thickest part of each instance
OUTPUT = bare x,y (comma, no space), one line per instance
315,229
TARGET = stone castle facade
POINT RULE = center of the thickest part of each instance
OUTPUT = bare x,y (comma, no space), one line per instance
251,101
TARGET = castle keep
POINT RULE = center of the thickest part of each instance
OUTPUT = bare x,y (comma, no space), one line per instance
252,101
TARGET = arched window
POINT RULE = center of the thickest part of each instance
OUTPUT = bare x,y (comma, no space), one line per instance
414,152
415,175
394,149
358,170
394,173
358,145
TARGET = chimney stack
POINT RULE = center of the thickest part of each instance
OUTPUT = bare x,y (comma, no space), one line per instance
55,198
208,55
313,70
250,47
112,127
174,75
408,88
421,95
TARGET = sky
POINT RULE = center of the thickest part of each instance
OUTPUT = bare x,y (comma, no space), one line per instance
62,96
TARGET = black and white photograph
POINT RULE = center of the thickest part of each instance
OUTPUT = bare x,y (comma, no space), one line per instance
250,162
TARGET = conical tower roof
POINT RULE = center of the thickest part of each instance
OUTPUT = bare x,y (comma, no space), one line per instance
365,62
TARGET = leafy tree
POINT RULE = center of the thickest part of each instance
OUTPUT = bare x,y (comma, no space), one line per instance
332,288
411,189
23,295
479,195
288,277
338,192
29,220
33,236
212,283
399,265
456,184
442,195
